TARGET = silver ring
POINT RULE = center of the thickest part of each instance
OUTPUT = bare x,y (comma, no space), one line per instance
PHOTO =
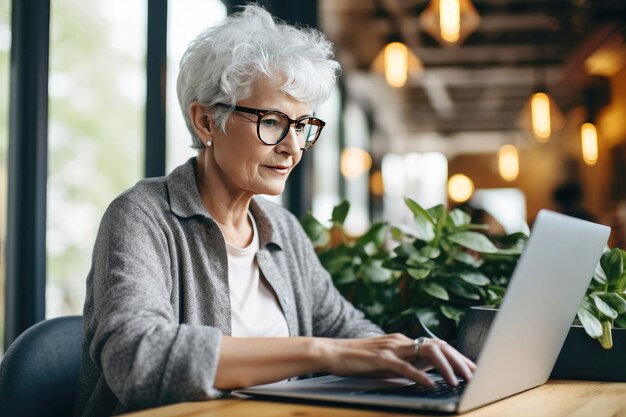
417,343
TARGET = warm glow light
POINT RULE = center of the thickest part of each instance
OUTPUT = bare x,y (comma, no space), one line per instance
396,64
355,162
540,114
376,183
589,137
450,20
508,162
460,188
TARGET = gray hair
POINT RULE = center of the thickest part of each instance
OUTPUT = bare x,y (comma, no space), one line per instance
222,64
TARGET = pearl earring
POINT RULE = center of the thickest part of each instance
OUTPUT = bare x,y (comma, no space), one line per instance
209,143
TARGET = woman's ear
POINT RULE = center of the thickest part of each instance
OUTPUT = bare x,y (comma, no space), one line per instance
201,121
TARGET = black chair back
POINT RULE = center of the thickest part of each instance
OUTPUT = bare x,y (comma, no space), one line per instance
39,372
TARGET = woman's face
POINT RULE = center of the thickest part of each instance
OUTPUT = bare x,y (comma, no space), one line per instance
243,161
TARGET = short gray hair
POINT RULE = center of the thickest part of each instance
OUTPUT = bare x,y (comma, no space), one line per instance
223,62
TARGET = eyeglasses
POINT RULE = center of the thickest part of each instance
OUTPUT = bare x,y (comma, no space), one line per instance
272,126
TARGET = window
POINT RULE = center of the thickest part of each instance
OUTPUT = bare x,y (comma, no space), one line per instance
419,176
5,52
185,20
96,132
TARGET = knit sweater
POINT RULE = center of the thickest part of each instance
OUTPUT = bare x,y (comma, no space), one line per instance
158,301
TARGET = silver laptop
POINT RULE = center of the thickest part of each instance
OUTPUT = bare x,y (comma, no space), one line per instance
523,343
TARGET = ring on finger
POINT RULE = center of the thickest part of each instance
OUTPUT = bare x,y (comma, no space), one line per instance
417,343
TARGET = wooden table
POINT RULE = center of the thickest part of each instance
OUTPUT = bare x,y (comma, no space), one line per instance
554,399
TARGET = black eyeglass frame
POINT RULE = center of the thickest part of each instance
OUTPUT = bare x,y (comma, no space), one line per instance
260,113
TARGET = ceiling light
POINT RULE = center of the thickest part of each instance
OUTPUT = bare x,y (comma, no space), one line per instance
541,116
398,63
589,142
460,188
450,21
508,162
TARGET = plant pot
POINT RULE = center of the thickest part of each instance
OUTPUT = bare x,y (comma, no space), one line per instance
581,356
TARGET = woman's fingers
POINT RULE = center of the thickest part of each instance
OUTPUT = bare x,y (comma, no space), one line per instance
459,362
396,355
447,360
432,351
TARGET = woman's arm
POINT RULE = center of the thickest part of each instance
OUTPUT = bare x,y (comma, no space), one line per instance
135,340
245,362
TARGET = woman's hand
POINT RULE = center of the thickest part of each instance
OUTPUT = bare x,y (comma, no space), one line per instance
395,355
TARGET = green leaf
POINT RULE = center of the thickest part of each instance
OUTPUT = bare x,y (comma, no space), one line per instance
459,218
424,229
613,265
394,265
340,212
452,312
400,231
474,241
338,262
315,230
430,252
599,274
417,260
418,211
620,321
465,258
405,250
438,213
344,276
374,272
418,273
603,307
435,290
510,251
592,325
616,302
375,235
433,321
475,278
606,340
462,289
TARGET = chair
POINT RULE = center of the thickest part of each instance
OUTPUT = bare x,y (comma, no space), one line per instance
39,373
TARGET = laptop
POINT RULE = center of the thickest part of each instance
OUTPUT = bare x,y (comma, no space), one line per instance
523,343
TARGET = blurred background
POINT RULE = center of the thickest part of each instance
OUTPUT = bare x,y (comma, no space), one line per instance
506,106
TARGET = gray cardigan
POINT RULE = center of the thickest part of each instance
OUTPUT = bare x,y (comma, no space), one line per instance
158,301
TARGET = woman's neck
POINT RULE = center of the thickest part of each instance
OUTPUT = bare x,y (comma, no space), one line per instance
226,205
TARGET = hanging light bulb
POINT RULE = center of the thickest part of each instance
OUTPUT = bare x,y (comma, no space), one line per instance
397,62
508,162
589,139
540,113
449,21
541,116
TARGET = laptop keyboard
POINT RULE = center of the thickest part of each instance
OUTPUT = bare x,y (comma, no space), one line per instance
441,390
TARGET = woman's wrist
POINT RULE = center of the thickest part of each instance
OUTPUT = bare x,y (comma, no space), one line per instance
321,351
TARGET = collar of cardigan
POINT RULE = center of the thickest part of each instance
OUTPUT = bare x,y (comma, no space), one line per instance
185,202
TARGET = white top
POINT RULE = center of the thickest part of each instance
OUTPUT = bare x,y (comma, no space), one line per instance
255,311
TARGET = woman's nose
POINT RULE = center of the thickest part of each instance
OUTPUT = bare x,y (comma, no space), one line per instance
291,142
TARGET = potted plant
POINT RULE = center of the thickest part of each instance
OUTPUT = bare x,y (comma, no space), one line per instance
440,276
602,315
421,278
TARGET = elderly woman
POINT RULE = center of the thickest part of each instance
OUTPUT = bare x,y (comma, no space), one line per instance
197,286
